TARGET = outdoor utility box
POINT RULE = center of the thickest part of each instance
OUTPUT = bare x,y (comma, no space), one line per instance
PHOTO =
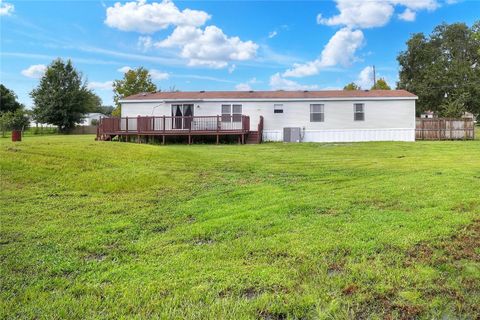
292,134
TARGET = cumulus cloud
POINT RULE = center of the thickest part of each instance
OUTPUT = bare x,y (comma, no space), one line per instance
107,85
407,15
243,87
359,14
209,47
35,71
124,69
246,86
374,13
365,78
200,46
277,82
340,50
6,9
146,17
158,75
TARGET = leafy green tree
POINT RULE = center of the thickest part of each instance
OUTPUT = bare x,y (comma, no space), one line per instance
443,69
13,120
8,100
351,86
94,102
381,84
62,97
133,82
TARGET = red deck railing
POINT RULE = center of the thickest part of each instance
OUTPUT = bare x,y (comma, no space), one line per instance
225,124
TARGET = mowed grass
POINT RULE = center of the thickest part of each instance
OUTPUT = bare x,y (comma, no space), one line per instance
273,231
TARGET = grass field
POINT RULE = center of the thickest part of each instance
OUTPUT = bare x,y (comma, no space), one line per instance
116,230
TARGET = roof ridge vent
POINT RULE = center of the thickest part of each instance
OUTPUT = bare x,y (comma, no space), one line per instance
144,94
305,91
202,91
251,91
366,90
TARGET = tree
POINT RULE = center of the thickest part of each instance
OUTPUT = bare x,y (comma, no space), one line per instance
13,120
8,100
133,82
94,102
351,86
443,69
381,84
62,97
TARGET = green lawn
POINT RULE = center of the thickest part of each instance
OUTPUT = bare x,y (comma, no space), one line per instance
273,231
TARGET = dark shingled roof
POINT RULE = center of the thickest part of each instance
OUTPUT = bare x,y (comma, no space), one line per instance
280,94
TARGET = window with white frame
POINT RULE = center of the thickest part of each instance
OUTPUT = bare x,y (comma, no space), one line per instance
278,108
317,113
231,112
358,112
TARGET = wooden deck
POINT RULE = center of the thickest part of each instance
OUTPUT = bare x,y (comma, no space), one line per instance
165,126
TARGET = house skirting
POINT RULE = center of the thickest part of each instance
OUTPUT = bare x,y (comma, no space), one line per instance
347,135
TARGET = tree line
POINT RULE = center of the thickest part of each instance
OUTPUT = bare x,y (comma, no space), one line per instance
62,98
442,69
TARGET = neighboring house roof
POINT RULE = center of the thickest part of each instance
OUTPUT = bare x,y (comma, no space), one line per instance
280,94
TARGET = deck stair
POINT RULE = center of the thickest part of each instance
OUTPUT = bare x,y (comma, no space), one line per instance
252,137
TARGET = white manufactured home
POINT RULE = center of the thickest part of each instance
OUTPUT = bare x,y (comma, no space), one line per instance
304,116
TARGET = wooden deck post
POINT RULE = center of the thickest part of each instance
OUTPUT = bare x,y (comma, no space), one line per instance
163,139
164,128
243,138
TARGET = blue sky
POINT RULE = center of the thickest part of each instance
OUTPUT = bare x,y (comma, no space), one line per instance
217,45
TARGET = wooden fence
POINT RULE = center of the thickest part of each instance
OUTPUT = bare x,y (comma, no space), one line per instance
444,129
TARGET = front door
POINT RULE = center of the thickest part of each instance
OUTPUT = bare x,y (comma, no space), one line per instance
179,112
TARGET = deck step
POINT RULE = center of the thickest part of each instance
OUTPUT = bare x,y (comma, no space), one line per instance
252,137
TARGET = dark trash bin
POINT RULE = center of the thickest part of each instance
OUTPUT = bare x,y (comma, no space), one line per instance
16,135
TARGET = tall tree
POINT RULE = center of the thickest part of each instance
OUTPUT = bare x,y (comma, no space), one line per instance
62,97
443,69
351,86
381,84
8,100
133,82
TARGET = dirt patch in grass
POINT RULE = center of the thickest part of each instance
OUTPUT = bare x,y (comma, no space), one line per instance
444,256
463,245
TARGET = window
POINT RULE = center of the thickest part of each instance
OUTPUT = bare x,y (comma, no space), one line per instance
278,108
358,112
316,113
231,113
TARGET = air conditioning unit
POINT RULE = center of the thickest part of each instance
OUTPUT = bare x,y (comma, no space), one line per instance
292,135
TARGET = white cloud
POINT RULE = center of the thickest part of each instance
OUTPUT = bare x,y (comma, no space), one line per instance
232,68
277,82
146,17
209,47
6,9
340,50
359,14
272,34
144,43
124,69
243,87
246,86
107,85
365,78
158,75
35,71
407,15
374,13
